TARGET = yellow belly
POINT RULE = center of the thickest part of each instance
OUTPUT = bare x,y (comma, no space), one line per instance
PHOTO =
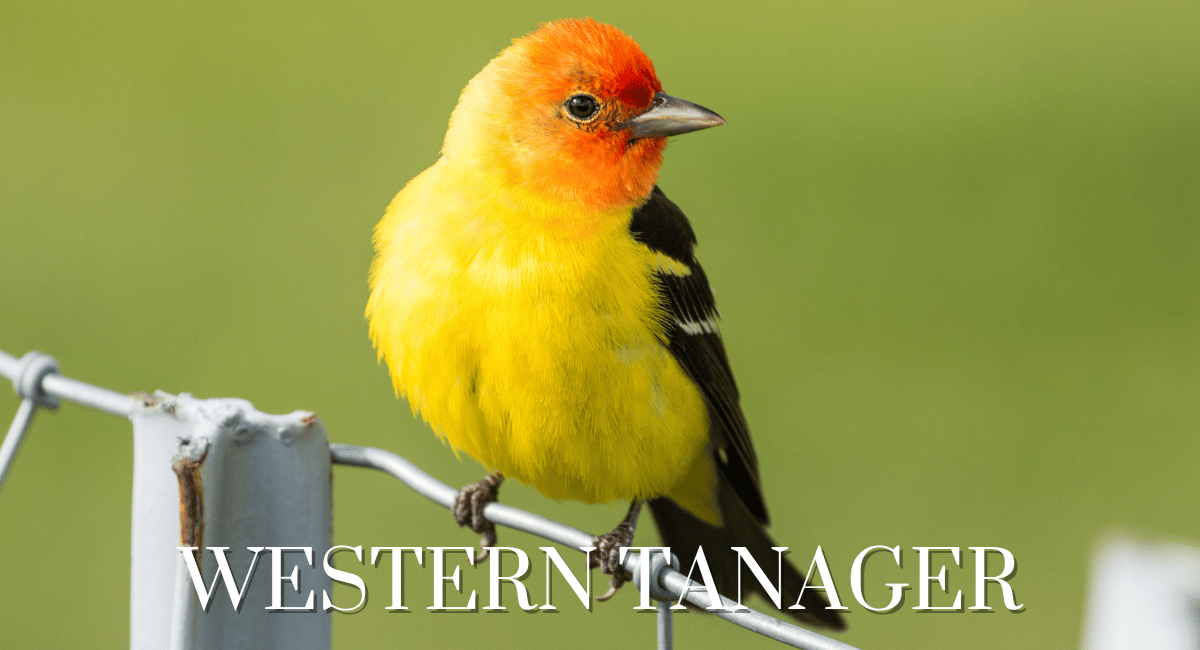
533,346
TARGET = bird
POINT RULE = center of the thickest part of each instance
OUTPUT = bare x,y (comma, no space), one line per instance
536,298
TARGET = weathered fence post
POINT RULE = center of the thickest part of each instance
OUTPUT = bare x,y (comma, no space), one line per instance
218,474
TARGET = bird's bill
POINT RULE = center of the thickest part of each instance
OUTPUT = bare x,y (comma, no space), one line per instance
669,116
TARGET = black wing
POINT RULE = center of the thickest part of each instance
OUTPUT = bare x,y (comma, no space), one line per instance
695,342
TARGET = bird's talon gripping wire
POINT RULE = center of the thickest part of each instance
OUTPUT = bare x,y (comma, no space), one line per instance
613,586
468,510
608,550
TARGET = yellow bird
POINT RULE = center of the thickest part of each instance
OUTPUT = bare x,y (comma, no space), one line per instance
537,300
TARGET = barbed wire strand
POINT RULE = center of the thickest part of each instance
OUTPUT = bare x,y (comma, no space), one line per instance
36,379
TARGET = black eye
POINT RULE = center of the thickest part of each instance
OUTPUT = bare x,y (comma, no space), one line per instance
583,107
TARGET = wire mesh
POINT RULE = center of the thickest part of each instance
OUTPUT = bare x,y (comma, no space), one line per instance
36,379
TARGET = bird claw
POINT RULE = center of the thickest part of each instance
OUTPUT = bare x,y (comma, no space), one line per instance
608,557
468,510
485,544
613,586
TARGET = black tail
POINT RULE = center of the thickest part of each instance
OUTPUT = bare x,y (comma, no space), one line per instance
684,532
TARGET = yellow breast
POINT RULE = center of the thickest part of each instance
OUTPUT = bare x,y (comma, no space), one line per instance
530,337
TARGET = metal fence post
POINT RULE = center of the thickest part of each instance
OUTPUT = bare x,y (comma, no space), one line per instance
217,473
1144,593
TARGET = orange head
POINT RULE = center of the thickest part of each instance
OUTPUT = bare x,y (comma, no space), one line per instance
572,113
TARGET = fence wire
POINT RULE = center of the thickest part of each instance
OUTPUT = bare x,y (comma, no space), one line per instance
37,381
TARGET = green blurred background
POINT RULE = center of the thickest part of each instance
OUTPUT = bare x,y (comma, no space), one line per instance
956,247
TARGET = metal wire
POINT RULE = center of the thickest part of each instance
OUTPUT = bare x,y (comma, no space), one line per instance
16,433
664,579
35,378
666,635
668,579
56,385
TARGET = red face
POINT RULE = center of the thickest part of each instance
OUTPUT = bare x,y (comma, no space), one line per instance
578,81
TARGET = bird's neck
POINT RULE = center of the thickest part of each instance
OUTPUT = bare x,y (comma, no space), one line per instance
516,209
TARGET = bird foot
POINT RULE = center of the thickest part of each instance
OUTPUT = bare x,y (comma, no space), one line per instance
468,510
608,551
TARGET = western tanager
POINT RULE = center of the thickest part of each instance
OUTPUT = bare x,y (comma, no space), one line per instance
537,300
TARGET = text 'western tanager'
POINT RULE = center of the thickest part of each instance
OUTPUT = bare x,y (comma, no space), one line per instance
538,302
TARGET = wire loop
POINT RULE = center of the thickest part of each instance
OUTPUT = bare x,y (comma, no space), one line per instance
34,367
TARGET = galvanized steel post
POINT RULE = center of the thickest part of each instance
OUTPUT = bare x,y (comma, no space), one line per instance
219,474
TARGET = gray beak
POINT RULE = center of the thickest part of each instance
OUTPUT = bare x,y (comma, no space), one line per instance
669,116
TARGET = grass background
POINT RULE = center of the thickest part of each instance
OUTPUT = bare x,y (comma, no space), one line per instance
956,247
